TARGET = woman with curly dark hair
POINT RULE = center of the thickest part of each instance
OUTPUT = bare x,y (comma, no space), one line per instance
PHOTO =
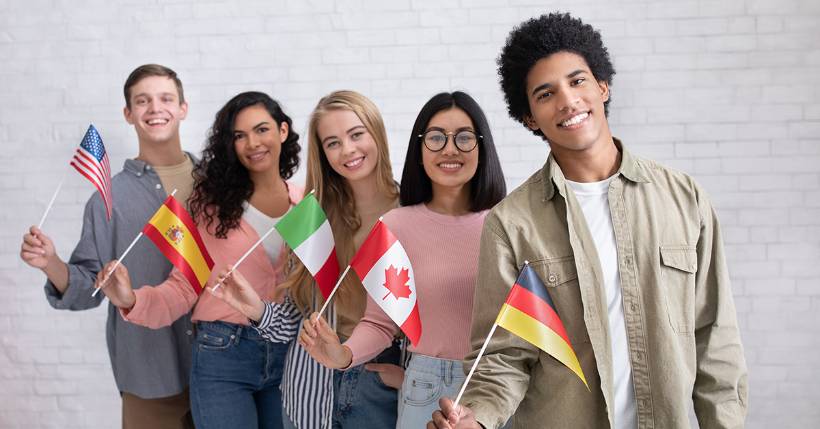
240,192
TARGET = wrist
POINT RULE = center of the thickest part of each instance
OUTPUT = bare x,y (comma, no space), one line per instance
346,358
257,311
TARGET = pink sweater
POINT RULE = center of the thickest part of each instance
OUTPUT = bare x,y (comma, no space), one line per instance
444,253
161,305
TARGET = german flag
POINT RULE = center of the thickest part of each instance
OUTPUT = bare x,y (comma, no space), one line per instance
174,232
530,313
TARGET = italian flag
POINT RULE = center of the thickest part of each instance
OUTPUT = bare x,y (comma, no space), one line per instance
307,231
384,268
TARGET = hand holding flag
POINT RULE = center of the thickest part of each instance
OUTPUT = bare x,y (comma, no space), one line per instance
115,283
530,313
175,234
239,294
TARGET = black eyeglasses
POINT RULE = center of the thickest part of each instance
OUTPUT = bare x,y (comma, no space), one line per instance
435,140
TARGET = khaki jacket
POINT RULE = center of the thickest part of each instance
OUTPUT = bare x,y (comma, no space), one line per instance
684,342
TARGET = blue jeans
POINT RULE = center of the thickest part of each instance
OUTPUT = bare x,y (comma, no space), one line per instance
360,398
427,379
235,376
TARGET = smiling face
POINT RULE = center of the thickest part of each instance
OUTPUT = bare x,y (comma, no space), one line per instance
258,139
567,103
348,146
156,110
450,168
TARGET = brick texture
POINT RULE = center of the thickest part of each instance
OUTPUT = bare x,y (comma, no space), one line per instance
725,90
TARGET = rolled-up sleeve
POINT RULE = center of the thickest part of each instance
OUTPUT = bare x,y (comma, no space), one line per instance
85,261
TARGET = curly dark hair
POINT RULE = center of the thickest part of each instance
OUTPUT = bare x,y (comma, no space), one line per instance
221,183
539,38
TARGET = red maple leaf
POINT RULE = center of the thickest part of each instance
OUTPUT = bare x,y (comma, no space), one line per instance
396,282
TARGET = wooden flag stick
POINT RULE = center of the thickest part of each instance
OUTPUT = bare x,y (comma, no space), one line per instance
475,364
333,292
255,245
50,204
119,260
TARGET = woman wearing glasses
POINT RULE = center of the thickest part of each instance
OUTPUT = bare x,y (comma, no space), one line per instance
451,178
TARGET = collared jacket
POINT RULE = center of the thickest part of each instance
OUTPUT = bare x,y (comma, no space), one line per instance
683,339
149,363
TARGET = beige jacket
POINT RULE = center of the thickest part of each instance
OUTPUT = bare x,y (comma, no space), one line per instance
680,316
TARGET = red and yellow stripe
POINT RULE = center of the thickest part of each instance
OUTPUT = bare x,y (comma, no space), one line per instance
535,320
189,255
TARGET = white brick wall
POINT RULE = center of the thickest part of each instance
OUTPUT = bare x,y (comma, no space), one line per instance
726,90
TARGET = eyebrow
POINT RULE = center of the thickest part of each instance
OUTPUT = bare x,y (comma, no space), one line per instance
354,128
253,127
549,85
459,129
145,94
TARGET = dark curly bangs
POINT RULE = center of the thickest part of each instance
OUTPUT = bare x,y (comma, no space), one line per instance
221,183
539,38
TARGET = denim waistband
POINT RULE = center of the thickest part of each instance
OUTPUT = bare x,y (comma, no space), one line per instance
447,369
227,328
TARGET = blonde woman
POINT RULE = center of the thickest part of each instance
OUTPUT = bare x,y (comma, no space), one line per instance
349,170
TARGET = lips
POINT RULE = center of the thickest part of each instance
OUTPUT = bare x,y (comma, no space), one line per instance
574,120
157,121
353,163
450,165
257,156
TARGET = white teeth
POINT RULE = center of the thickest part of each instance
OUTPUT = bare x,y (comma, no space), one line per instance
354,163
257,156
449,165
575,119
157,121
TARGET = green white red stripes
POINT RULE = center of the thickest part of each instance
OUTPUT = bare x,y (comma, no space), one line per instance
307,231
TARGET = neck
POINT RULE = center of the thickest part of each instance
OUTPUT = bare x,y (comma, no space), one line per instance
452,201
597,163
367,195
268,182
161,154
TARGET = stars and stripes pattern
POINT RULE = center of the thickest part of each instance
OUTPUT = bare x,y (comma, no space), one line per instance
91,160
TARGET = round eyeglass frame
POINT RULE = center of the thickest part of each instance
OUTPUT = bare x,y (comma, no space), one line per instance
423,137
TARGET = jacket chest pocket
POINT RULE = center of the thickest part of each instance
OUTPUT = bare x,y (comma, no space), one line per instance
561,278
678,267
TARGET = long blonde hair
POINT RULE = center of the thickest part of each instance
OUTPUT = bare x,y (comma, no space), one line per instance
336,198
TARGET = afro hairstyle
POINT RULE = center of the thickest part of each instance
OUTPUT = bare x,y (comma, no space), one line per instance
539,38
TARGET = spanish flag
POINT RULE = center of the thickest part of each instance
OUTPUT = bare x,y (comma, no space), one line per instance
174,232
530,313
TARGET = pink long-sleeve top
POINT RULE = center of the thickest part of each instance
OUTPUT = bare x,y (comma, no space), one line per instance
160,305
444,252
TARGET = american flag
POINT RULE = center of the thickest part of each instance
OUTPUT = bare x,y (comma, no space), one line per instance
91,161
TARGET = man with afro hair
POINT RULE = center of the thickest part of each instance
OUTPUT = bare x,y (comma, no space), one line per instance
631,255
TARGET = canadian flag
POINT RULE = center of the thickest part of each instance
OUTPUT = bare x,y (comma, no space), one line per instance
384,268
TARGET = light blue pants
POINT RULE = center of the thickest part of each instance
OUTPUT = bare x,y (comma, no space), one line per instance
425,381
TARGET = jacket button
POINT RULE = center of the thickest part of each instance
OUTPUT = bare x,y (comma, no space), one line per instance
552,278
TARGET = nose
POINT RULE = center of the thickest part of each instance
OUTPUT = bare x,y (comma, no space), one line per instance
450,145
153,105
567,99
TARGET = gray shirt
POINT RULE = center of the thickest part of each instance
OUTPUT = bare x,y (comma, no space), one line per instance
149,363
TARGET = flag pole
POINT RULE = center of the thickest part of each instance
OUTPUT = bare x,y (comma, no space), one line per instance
119,260
255,245
480,353
333,292
51,203
475,364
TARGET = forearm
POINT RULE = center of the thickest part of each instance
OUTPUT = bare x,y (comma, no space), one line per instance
57,273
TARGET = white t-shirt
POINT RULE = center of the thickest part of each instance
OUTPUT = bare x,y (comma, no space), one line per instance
594,200
262,223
